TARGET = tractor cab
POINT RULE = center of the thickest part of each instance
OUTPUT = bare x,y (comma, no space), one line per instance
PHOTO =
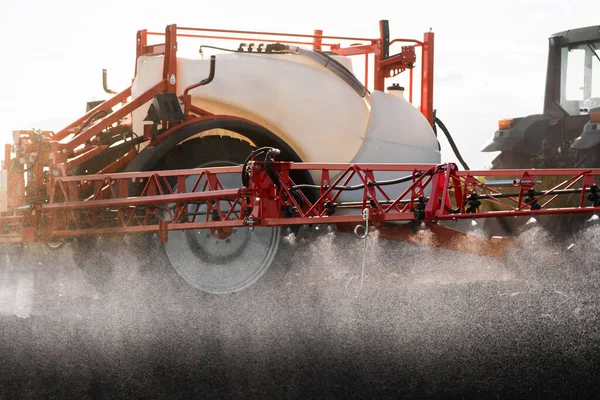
560,137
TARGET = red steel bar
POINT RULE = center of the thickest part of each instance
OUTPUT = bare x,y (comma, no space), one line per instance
443,188
427,77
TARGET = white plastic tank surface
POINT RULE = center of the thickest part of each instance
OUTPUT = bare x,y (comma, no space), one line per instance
397,133
313,110
319,115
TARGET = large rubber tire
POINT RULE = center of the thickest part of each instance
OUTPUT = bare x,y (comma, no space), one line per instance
505,226
556,225
205,261
113,263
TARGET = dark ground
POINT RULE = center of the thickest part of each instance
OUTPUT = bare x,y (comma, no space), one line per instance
428,324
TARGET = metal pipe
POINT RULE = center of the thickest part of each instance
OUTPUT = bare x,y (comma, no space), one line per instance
105,82
209,79
508,182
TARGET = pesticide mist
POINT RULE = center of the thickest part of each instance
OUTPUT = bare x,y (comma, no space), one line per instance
424,322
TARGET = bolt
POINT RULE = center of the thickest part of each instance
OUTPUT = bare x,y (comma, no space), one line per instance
55,172
234,230
64,151
228,240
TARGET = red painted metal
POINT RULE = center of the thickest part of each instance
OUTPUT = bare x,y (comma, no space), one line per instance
140,45
427,77
56,205
382,68
64,144
108,203
298,35
366,70
105,107
356,50
394,65
114,117
318,40
86,154
170,64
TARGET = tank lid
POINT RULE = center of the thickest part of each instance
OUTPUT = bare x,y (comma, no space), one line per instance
395,86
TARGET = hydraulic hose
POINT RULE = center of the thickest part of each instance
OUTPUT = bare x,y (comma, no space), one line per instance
252,156
268,159
89,120
451,142
403,179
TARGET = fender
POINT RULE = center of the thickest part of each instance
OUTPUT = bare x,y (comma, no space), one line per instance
150,156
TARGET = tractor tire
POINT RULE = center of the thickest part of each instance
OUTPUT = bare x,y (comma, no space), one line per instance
556,225
504,226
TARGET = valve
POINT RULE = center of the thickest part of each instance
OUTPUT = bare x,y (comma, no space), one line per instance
473,203
594,196
289,211
531,199
420,209
329,208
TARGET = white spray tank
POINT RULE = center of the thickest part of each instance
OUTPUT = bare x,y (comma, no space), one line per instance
316,112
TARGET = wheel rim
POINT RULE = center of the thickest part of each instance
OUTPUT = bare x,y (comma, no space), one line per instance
55,245
221,261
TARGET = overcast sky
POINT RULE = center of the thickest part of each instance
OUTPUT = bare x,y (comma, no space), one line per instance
490,56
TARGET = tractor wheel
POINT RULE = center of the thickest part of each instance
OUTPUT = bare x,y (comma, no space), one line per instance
218,261
556,225
212,261
505,226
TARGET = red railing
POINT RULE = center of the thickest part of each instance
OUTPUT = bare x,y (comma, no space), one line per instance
383,68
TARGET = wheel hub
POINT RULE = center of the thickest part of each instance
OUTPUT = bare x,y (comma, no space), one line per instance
224,259
222,233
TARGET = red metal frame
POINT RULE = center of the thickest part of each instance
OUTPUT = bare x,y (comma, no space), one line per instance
56,205
362,46
65,142
104,203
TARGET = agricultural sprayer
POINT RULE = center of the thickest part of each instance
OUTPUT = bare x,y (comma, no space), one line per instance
216,156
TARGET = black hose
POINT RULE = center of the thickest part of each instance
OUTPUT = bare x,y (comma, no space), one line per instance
219,48
435,130
451,210
255,153
268,159
451,142
505,195
337,68
90,119
403,179
211,72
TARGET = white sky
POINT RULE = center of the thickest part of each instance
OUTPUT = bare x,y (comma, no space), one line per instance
490,56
